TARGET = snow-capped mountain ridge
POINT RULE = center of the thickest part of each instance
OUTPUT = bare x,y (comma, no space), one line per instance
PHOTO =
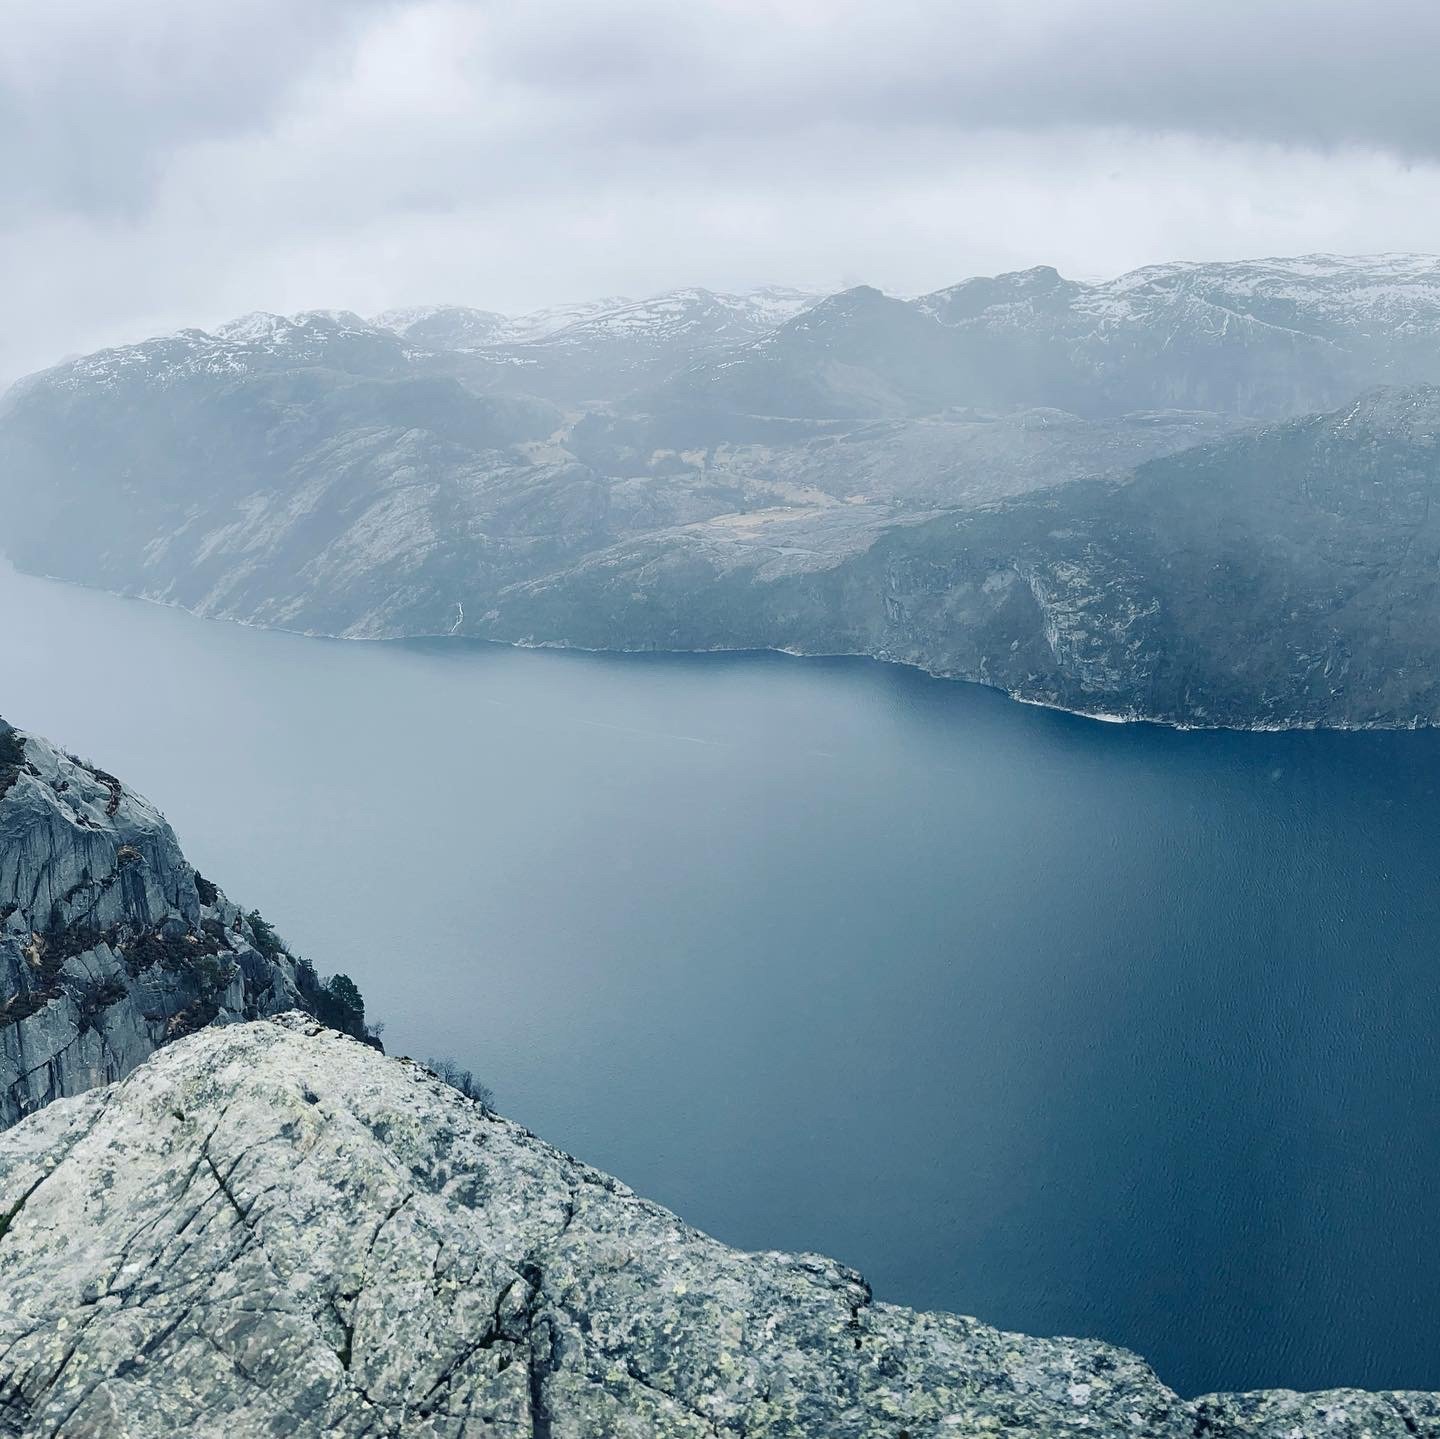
464,328
323,473
263,327
1312,294
247,344
1261,338
1258,339
670,313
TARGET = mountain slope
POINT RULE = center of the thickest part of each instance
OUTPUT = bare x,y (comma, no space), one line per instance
600,351
817,486
1265,338
1288,577
224,457
295,474
110,944
273,1229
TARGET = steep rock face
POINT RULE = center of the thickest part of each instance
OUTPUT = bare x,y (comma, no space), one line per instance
271,1229
110,943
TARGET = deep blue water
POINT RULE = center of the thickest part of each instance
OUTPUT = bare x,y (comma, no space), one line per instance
1080,1028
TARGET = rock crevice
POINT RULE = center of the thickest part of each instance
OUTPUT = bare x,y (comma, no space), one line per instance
272,1228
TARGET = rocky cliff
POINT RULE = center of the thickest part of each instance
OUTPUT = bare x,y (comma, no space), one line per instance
111,945
271,1229
224,1226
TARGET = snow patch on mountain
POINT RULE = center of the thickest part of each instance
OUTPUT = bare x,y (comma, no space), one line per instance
675,314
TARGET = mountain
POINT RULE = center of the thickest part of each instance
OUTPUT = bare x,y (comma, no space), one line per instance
268,427
857,355
315,474
447,327
1285,577
591,352
1266,339
459,327
271,1229
699,313
705,471
111,945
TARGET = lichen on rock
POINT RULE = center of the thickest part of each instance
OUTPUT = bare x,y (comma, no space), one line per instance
272,1229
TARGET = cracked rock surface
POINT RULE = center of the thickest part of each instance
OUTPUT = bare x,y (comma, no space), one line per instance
110,943
271,1229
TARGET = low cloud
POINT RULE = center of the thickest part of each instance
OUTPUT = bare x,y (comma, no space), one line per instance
187,159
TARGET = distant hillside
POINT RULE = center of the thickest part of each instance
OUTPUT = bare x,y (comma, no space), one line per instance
702,470
1284,577
1266,338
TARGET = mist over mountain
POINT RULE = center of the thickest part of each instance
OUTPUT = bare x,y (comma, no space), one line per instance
1266,339
854,473
1002,441
1283,577
597,350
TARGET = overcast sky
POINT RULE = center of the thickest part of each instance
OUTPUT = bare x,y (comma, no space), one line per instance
172,162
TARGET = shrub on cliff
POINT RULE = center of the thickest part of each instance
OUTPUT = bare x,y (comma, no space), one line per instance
12,756
266,940
462,1079
346,993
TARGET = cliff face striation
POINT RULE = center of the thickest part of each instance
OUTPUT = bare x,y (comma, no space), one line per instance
272,1229
111,945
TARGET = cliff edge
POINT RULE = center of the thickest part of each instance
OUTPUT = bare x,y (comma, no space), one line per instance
271,1229
111,945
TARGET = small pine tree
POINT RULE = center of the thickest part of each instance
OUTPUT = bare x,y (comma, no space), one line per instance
266,940
346,993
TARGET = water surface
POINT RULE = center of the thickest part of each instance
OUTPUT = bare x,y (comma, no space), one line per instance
1080,1028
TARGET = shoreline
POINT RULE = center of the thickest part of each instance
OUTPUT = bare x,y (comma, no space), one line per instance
1097,716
